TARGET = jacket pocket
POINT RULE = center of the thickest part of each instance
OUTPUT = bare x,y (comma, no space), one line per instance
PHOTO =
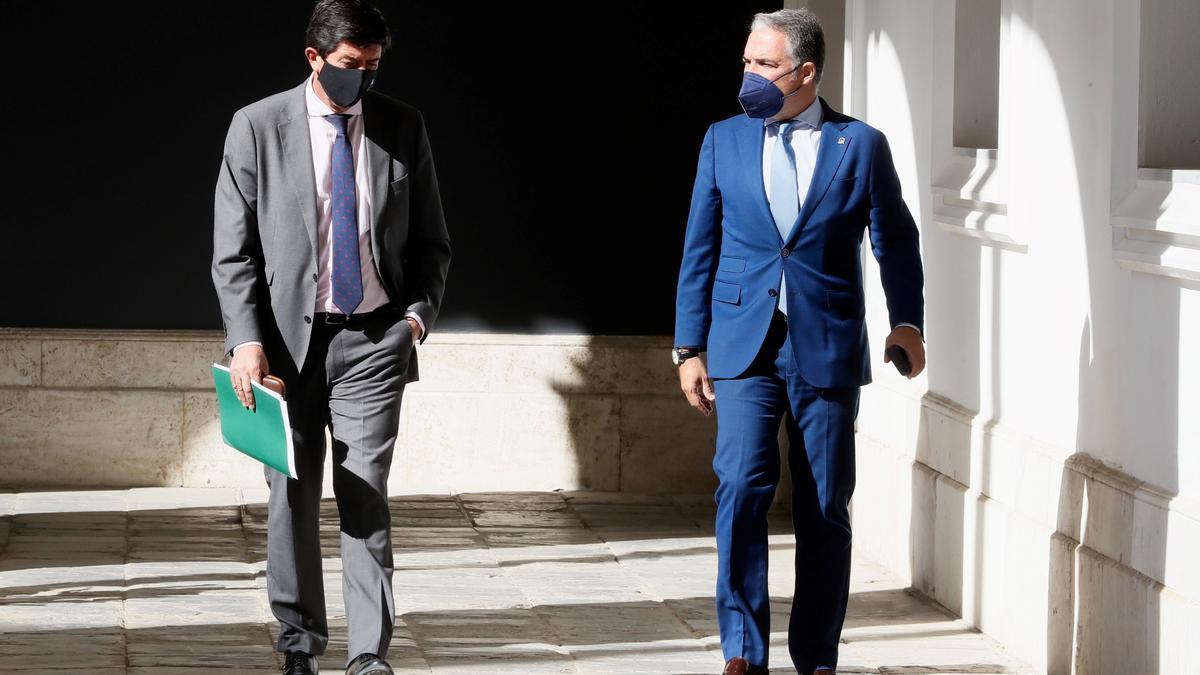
730,263
725,292
845,304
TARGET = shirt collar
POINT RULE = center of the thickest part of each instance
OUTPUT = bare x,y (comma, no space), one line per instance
317,108
811,116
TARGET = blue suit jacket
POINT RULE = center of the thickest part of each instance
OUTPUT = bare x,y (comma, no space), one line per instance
733,254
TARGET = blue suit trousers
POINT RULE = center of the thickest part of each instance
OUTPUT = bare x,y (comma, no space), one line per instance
820,429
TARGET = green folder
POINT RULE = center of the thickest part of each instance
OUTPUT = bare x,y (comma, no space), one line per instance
264,433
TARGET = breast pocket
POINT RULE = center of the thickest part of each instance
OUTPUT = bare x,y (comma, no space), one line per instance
398,175
399,170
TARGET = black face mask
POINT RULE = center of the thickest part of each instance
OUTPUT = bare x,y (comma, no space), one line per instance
345,86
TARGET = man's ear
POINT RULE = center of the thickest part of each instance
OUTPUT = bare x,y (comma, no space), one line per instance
313,57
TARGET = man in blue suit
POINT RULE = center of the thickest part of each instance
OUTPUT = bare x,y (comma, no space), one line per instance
771,288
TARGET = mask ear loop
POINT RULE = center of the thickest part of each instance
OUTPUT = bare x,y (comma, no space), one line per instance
785,75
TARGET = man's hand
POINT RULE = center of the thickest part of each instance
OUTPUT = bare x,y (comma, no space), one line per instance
911,342
249,364
693,379
415,327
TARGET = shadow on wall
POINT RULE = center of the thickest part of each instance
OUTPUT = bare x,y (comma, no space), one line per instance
1107,553
649,439
946,525
951,546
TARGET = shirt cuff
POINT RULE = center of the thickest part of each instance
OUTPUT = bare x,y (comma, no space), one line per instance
416,317
910,326
252,342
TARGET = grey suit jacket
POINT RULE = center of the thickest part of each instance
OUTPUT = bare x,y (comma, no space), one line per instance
265,221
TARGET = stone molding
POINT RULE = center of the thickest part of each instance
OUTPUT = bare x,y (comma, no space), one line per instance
969,199
1051,551
1156,227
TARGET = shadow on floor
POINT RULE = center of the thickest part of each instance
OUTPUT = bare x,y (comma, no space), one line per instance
485,583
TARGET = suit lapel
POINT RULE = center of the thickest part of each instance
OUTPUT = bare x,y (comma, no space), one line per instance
377,172
830,152
298,162
750,141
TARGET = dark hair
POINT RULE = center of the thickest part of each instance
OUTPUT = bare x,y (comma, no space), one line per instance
354,21
806,40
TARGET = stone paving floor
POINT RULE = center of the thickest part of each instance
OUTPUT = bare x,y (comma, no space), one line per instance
172,581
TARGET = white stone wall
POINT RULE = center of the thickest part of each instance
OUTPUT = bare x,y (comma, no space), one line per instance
1043,477
491,412
832,14
976,72
1170,90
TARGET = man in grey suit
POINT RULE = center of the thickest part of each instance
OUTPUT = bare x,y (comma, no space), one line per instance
330,260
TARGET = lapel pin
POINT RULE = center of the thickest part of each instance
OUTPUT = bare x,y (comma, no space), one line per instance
841,140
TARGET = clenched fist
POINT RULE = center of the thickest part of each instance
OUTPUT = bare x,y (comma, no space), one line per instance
913,344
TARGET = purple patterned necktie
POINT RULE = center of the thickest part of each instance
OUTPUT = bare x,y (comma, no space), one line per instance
346,276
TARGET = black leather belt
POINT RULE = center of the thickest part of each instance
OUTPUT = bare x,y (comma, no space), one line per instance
333,319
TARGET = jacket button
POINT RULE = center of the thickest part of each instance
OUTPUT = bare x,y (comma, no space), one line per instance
307,319
785,252
771,293
314,278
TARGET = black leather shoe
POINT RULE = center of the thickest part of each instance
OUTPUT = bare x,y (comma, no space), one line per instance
300,663
368,664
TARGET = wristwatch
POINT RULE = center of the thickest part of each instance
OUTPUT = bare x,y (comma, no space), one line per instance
681,354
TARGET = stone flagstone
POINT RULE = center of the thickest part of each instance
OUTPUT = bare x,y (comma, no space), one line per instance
172,581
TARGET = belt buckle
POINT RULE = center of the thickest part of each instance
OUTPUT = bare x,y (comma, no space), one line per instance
336,319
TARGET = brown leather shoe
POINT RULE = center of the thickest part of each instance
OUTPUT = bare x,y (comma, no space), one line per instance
739,666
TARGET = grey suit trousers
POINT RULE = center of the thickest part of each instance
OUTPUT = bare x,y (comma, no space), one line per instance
352,384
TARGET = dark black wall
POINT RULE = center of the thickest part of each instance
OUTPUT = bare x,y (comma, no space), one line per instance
565,143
